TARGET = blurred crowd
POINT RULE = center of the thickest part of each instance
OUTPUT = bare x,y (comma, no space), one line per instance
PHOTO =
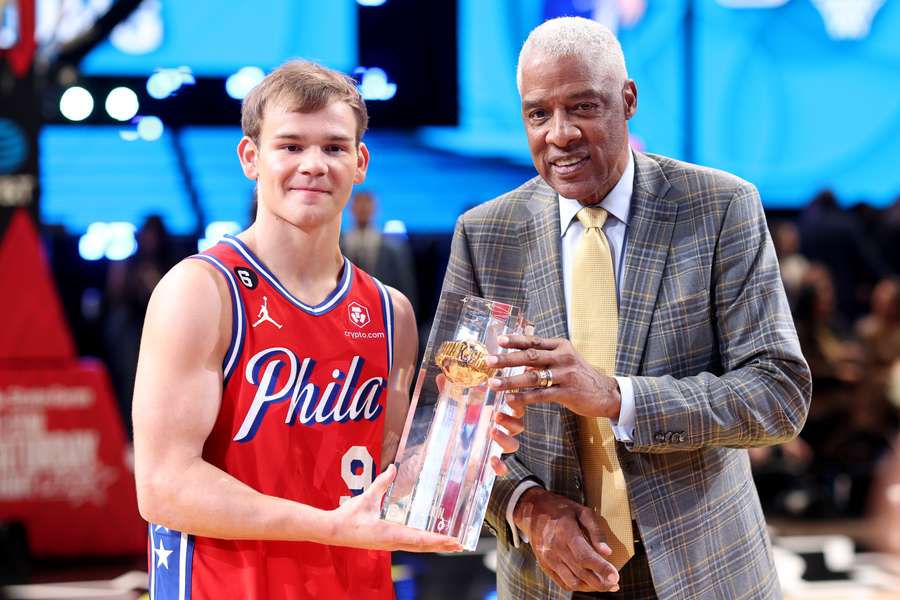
839,268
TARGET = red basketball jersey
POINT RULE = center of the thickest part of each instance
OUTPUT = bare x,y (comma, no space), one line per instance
302,417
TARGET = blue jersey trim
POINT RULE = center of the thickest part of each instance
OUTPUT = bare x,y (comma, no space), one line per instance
387,313
238,327
171,563
331,301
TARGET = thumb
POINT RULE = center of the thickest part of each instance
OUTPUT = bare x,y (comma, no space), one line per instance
595,536
381,483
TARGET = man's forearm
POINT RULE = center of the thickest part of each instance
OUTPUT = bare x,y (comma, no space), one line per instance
741,409
204,500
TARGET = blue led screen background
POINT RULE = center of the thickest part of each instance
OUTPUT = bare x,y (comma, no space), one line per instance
769,95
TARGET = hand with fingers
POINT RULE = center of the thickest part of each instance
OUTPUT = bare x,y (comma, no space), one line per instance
556,372
567,541
507,425
357,523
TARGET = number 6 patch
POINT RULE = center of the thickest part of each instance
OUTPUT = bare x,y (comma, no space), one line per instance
247,277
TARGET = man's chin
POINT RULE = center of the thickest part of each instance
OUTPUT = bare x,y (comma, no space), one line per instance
309,220
574,190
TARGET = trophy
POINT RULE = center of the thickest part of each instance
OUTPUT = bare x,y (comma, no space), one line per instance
444,477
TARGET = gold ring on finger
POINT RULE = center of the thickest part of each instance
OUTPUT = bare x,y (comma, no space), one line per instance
545,378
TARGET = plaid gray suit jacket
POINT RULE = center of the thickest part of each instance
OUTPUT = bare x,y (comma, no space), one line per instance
706,333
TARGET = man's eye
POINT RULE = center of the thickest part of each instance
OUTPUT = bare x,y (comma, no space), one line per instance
335,149
586,106
537,115
292,147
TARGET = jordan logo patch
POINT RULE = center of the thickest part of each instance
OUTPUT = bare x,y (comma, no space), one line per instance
264,314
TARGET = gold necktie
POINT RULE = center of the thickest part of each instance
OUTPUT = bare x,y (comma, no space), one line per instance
595,322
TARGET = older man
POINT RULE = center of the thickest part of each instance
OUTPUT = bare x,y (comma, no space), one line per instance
666,348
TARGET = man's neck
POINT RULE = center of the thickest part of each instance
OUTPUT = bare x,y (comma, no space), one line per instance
307,263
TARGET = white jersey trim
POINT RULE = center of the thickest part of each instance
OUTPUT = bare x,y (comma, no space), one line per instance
330,302
237,316
387,311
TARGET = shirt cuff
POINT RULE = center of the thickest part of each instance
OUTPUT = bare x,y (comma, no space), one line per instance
511,507
623,427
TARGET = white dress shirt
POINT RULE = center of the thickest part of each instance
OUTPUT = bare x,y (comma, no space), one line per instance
618,204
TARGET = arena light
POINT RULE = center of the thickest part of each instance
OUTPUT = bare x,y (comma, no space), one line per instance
76,104
239,84
92,244
122,104
142,31
215,231
150,129
165,82
848,19
395,227
374,84
115,241
121,242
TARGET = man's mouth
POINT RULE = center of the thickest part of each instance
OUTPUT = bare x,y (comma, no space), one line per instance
568,164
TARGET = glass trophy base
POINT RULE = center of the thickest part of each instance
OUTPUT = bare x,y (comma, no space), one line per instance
444,477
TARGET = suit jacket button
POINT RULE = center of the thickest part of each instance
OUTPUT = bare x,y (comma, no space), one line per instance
659,437
681,437
578,483
669,435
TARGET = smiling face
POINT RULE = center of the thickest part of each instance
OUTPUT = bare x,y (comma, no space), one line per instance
576,115
305,164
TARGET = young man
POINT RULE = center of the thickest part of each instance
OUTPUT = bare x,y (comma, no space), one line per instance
273,378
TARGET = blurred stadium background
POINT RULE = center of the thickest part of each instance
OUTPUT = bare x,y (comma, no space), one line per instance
118,126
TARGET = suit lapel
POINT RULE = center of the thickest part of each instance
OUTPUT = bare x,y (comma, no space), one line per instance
544,285
650,224
543,267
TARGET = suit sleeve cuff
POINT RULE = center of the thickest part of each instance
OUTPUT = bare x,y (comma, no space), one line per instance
623,427
511,507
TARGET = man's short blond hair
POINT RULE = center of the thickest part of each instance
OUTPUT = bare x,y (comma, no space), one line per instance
301,86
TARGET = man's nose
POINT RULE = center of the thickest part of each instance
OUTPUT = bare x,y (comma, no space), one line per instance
562,131
312,162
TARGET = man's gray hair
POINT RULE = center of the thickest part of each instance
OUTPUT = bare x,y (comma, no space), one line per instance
574,36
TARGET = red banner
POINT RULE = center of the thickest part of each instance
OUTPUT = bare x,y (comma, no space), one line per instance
21,55
65,468
33,324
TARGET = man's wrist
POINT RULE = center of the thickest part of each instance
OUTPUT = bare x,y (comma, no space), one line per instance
623,424
515,534
522,511
615,396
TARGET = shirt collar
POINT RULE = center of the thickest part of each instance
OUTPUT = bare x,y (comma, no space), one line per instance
617,202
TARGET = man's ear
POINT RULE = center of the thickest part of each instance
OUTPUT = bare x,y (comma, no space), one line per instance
629,95
362,164
248,154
